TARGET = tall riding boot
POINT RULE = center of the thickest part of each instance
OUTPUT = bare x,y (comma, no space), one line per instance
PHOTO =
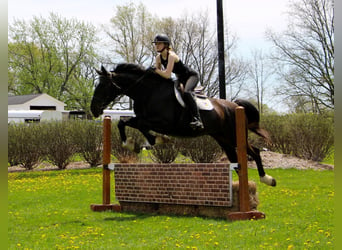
196,122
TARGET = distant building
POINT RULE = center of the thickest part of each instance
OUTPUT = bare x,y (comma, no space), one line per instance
35,102
35,108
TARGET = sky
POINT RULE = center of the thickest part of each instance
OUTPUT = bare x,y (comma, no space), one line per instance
248,19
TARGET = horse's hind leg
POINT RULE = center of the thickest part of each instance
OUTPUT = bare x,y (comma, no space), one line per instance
255,153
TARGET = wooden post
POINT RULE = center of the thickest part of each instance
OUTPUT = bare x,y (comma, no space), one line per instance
106,160
106,171
241,141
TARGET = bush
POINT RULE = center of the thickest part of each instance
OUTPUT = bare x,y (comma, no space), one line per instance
203,149
25,144
60,146
308,136
164,153
278,127
313,136
88,137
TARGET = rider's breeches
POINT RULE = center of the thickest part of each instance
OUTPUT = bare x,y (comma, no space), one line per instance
191,83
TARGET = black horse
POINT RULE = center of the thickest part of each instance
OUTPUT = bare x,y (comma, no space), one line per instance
158,111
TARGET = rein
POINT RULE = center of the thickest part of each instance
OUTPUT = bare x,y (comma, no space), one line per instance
125,91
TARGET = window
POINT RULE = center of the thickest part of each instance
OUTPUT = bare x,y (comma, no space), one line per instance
42,107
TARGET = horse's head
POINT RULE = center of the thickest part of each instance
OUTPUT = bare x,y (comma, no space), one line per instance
126,79
105,92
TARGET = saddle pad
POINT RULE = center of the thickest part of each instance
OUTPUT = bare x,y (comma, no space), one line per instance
202,103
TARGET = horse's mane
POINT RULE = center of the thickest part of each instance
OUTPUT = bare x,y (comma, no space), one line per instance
129,68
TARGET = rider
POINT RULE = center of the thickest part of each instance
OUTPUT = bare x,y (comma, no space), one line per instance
171,62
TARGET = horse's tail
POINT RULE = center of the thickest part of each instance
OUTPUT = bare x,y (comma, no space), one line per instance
253,118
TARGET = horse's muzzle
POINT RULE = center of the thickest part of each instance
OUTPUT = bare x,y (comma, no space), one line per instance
96,109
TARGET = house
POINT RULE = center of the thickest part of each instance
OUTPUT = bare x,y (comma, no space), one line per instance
35,108
35,102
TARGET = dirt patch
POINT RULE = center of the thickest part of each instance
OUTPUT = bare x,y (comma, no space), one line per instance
269,159
276,160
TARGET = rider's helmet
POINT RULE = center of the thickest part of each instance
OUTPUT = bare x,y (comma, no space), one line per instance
162,38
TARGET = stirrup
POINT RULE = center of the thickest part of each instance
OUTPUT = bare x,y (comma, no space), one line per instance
196,125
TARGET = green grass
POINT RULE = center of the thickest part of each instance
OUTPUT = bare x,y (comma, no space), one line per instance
51,210
330,158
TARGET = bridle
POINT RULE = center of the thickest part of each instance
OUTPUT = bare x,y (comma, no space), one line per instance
134,85
100,99
120,90
111,80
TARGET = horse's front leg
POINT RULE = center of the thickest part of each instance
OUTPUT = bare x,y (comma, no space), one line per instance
136,123
121,126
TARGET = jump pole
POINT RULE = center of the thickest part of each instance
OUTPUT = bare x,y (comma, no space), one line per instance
241,140
106,205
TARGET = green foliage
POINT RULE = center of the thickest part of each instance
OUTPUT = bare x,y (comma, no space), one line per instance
308,136
330,158
55,141
315,136
88,137
203,149
50,210
59,143
164,153
52,55
24,144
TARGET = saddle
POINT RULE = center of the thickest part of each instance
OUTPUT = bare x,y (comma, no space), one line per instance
202,101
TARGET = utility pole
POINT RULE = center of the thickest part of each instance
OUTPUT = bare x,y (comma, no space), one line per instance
220,40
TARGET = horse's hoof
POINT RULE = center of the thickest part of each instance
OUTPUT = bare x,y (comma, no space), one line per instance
162,139
268,180
196,125
129,144
159,140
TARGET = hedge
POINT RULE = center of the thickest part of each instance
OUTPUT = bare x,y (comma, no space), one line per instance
307,136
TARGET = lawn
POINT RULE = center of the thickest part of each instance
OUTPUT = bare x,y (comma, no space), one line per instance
51,210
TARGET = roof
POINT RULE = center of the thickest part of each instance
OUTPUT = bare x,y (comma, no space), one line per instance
21,99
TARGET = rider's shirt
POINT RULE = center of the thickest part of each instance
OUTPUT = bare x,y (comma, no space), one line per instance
182,71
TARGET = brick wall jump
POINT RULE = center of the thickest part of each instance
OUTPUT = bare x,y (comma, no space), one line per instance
184,184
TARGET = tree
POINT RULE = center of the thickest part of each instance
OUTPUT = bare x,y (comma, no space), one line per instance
198,49
130,32
52,55
306,53
259,74
192,38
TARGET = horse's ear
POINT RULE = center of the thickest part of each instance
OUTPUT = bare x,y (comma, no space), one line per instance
98,71
104,71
